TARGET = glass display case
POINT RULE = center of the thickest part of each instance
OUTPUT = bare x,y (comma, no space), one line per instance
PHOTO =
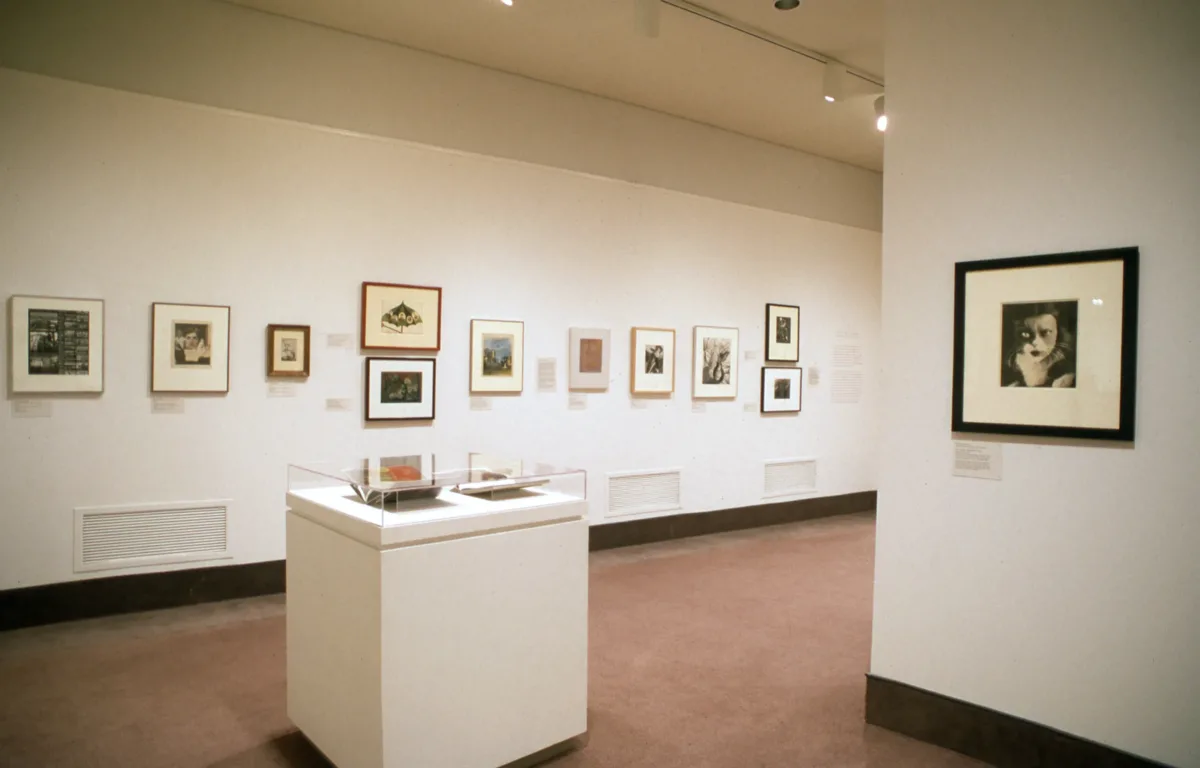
397,490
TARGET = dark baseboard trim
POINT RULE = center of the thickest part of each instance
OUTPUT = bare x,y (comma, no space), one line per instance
91,598
649,530
1002,740
108,596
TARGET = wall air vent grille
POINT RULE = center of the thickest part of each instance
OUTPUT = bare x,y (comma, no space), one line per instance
108,538
787,477
644,492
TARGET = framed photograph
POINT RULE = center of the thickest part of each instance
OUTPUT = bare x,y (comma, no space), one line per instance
714,362
497,356
288,350
589,358
781,390
400,388
56,345
189,348
402,317
782,343
1047,345
652,361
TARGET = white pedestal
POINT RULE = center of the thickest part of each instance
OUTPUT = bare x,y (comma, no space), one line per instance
451,636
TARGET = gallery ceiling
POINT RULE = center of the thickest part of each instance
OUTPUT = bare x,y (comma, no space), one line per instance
695,68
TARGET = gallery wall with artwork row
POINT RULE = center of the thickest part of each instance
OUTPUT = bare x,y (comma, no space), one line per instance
235,225
57,346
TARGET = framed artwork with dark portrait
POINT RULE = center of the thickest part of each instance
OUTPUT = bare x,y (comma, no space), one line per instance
288,352
780,390
782,343
651,361
189,348
400,388
1047,345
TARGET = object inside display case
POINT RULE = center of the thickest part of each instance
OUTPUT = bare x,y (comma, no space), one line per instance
418,483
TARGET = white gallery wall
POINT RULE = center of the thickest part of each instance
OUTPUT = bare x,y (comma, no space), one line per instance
137,199
1068,593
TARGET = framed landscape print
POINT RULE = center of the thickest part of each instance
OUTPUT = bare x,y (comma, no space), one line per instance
781,390
782,344
400,388
56,345
714,362
402,317
652,361
589,358
497,357
288,350
1047,345
189,348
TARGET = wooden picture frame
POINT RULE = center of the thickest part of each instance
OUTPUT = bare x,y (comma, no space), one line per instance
1046,346
189,348
389,386
56,345
782,320
652,353
497,361
283,360
395,316
774,399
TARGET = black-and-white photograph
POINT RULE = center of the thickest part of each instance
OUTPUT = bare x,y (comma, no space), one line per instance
400,387
287,350
783,389
58,342
716,361
783,330
192,344
1039,344
654,358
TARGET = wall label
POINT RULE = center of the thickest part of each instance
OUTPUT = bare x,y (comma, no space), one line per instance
163,404
481,403
699,406
982,461
281,389
577,402
547,368
339,340
32,408
339,404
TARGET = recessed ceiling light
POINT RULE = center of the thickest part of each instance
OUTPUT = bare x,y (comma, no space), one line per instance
787,5
507,2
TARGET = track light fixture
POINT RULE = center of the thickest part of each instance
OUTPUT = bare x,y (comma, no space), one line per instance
835,81
649,16
787,5
881,118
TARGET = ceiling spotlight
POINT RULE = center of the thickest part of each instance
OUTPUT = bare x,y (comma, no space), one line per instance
787,5
649,16
881,119
835,81
507,2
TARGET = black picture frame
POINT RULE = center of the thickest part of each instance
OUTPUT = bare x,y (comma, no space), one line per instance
368,404
1124,432
767,332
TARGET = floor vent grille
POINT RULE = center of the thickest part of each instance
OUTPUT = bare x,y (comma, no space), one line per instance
643,492
108,538
787,477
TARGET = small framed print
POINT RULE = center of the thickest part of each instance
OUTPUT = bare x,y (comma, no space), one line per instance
781,390
56,345
714,362
401,317
189,348
589,358
288,350
497,357
652,361
400,388
782,343
1046,346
